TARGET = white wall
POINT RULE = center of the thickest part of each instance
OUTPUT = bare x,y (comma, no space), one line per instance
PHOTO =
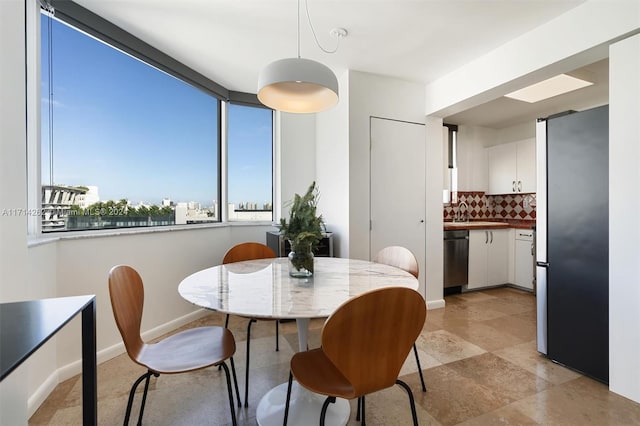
13,227
13,222
624,228
379,96
42,265
295,157
517,132
332,168
162,258
75,266
434,262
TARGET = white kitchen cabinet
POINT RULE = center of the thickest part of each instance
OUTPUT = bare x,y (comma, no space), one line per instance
512,167
473,172
524,258
488,257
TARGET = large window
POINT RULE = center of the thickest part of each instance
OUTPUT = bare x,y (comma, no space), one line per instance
249,163
125,144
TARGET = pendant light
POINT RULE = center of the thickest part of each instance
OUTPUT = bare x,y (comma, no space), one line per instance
299,85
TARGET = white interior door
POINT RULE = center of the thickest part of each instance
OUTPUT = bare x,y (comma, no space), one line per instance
397,191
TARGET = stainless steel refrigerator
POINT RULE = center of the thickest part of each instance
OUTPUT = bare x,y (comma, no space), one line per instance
572,246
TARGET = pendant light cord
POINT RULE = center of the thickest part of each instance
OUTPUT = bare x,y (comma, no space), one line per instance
313,31
298,29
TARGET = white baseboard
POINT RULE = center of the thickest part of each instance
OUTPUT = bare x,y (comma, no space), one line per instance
70,370
435,304
40,395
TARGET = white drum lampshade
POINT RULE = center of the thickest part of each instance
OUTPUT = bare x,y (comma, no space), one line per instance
297,85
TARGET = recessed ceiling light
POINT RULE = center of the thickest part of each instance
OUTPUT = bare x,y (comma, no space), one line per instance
546,89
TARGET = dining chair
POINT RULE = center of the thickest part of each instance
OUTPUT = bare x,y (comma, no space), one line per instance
239,253
402,258
185,351
363,346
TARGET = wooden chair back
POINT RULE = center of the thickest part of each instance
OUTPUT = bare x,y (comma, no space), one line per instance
369,337
248,251
127,299
399,257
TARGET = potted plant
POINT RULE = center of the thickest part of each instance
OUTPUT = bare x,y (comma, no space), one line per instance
304,232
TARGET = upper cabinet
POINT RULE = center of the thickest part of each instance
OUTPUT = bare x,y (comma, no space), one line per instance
472,157
512,167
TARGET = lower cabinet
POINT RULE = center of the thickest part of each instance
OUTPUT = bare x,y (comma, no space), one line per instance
524,258
488,257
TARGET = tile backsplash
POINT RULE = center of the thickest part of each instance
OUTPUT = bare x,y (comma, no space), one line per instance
520,207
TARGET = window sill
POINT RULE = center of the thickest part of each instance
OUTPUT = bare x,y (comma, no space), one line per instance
42,239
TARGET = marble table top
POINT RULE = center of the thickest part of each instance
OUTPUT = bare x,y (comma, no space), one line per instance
264,289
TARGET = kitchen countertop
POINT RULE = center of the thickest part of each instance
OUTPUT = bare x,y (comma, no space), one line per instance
474,224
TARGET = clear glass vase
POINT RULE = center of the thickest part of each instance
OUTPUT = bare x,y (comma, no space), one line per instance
301,261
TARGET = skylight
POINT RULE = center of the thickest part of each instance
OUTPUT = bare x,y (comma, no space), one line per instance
546,89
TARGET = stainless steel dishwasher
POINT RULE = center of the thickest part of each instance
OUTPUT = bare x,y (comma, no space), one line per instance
456,258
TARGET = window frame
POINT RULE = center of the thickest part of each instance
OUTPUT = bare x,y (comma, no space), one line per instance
95,26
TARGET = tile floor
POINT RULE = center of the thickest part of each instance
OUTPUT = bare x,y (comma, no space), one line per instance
478,355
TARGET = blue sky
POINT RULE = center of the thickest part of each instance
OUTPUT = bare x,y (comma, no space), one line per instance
140,134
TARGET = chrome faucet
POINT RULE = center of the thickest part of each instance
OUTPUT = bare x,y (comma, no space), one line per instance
459,217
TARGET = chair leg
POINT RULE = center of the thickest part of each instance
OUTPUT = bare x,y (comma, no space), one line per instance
235,380
277,335
411,401
360,412
226,325
364,415
132,394
230,391
415,351
325,405
144,398
286,404
246,373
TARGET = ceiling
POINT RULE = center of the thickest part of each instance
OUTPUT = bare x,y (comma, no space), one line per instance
229,41
505,112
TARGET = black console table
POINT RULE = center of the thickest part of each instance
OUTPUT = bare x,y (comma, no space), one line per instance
25,326
281,247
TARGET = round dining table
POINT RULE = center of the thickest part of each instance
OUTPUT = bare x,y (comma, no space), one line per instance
263,289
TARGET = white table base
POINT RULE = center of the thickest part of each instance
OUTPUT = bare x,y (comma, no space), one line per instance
303,333
304,408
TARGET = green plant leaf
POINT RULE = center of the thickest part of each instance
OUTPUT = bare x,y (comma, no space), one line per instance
305,225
